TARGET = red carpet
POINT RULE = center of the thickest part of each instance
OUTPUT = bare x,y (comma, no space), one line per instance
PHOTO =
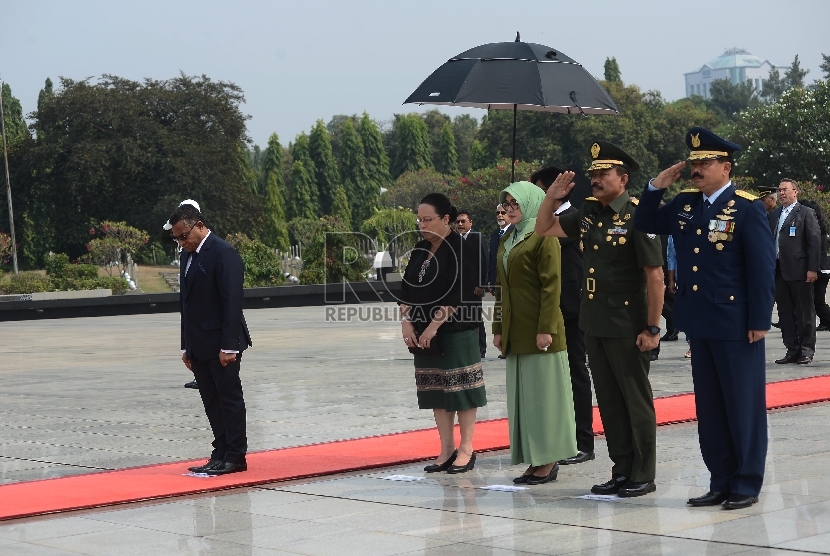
166,480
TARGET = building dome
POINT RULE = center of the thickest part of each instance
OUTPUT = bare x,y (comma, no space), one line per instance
735,65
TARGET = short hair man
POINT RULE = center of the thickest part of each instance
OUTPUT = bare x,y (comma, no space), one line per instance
572,274
464,226
213,334
725,268
798,252
768,196
619,313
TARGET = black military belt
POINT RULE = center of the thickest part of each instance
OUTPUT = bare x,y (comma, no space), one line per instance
591,286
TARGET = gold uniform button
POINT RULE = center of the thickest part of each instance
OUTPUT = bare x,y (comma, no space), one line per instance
694,287
607,238
590,271
699,232
599,224
596,247
626,302
694,269
731,298
590,296
697,249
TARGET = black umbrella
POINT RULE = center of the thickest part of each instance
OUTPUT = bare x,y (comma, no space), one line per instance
515,75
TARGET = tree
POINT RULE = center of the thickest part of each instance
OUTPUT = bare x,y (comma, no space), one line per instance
340,206
333,256
117,245
447,157
353,167
275,231
376,160
728,99
794,75
774,86
13,117
825,65
301,152
478,156
788,138
272,159
45,93
260,264
397,227
126,151
414,151
300,201
612,70
464,129
326,174
6,249
435,121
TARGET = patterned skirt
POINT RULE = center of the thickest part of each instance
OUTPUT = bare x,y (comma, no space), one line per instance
453,381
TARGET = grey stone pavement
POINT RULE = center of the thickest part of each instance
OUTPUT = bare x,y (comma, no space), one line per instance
80,395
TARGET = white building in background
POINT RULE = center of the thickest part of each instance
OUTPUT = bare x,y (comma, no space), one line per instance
736,65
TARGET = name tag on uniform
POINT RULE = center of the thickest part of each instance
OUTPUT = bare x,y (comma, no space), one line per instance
792,231
617,231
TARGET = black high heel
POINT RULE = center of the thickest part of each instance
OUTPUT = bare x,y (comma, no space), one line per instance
455,469
434,468
536,480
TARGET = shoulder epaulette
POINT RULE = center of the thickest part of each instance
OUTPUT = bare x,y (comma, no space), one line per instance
745,195
634,201
690,190
592,199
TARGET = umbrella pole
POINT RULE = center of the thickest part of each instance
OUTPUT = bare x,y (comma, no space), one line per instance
513,158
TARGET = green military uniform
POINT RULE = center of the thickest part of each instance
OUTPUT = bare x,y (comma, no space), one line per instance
613,312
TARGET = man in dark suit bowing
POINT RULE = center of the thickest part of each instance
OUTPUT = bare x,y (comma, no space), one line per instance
464,226
495,238
572,273
214,334
725,275
797,239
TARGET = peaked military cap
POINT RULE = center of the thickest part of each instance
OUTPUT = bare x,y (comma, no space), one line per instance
765,190
607,155
705,145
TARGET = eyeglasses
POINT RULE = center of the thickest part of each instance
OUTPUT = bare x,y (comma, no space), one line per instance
182,238
501,212
511,204
425,220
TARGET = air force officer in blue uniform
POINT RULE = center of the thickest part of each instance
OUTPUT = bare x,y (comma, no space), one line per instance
725,290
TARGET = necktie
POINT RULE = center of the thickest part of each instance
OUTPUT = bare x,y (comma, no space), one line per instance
706,205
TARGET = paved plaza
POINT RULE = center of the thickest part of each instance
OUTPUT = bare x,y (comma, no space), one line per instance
80,395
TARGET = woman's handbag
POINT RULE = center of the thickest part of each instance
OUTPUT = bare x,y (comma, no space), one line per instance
435,347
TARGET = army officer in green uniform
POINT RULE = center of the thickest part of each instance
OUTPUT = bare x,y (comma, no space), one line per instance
620,311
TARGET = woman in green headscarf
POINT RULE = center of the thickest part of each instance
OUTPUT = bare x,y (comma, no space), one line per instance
531,334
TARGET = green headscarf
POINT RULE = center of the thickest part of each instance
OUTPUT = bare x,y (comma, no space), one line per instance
529,197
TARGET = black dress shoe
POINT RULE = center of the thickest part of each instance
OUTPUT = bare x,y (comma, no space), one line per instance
192,384
669,336
611,487
580,457
434,468
227,467
456,469
653,356
739,501
708,499
521,479
823,328
536,480
787,359
776,324
203,468
631,489
803,360
502,356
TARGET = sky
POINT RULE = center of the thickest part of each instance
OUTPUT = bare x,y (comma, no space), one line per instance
305,60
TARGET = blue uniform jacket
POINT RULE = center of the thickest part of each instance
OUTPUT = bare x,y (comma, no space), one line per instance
725,261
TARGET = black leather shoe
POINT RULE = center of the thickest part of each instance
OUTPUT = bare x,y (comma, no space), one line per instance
708,499
803,360
502,356
434,468
192,384
669,336
823,328
203,468
652,356
483,355
631,489
580,457
776,325
455,469
536,480
787,359
227,467
739,501
611,487
521,479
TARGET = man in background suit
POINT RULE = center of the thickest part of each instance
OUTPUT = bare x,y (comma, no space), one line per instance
495,238
798,248
213,334
572,273
464,226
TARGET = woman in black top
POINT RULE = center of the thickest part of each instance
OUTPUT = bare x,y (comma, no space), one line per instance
440,319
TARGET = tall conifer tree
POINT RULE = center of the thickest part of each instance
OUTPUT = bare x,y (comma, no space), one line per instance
353,172
377,162
447,156
275,231
300,203
414,150
326,174
301,152
340,206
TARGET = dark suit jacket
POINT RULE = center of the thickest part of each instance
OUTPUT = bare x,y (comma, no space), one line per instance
802,252
477,241
211,301
572,273
494,248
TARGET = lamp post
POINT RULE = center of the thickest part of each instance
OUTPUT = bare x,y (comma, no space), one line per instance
8,182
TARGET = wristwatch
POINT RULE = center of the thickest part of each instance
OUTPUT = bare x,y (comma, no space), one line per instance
654,330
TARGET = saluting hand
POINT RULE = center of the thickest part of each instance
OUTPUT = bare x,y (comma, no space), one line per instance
668,176
561,186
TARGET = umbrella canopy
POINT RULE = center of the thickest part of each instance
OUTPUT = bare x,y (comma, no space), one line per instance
515,75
